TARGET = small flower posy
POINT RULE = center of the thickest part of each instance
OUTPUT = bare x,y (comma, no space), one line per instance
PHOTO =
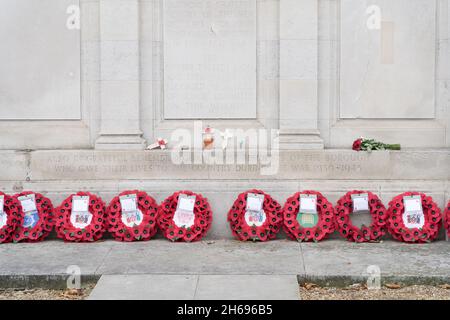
377,210
92,231
202,218
13,217
364,144
140,231
324,227
269,226
41,228
432,223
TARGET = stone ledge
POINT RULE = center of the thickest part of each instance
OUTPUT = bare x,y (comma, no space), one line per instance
333,261
293,165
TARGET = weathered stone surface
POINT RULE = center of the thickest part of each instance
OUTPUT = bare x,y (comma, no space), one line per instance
40,76
386,71
160,257
14,166
196,287
339,258
293,165
206,257
247,287
145,287
209,59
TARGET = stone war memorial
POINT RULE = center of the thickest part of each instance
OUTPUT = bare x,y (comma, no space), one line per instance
272,146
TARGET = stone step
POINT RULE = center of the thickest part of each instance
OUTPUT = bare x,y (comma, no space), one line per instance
196,287
59,173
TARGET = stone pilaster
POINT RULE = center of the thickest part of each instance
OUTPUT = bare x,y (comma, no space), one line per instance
120,75
299,75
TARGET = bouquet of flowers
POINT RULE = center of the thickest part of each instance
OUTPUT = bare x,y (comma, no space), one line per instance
364,144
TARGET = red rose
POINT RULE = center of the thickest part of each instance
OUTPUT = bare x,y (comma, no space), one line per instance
357,145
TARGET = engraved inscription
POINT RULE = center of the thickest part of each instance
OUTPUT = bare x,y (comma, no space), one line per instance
209,59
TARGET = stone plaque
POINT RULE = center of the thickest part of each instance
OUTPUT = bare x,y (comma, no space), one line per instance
209,59
39,60
388,55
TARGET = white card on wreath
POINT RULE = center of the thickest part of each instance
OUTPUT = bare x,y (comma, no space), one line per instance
28,203
360,202
186,203
413,203
80,203
128,203
308,203
2,204
413,216
184,217
255,202
3,217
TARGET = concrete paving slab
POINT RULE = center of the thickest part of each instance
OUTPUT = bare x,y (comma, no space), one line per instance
51,257
341,258
145,287
196,287
223,257
247,287
206,257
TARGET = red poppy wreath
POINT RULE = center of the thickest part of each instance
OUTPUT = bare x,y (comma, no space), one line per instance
38,220
81,218
418,226
10,217
447,219
346,206
132,216
255,216
185,216
308,227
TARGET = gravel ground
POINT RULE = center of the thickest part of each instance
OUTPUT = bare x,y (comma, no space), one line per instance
44,294
308,291
360,292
